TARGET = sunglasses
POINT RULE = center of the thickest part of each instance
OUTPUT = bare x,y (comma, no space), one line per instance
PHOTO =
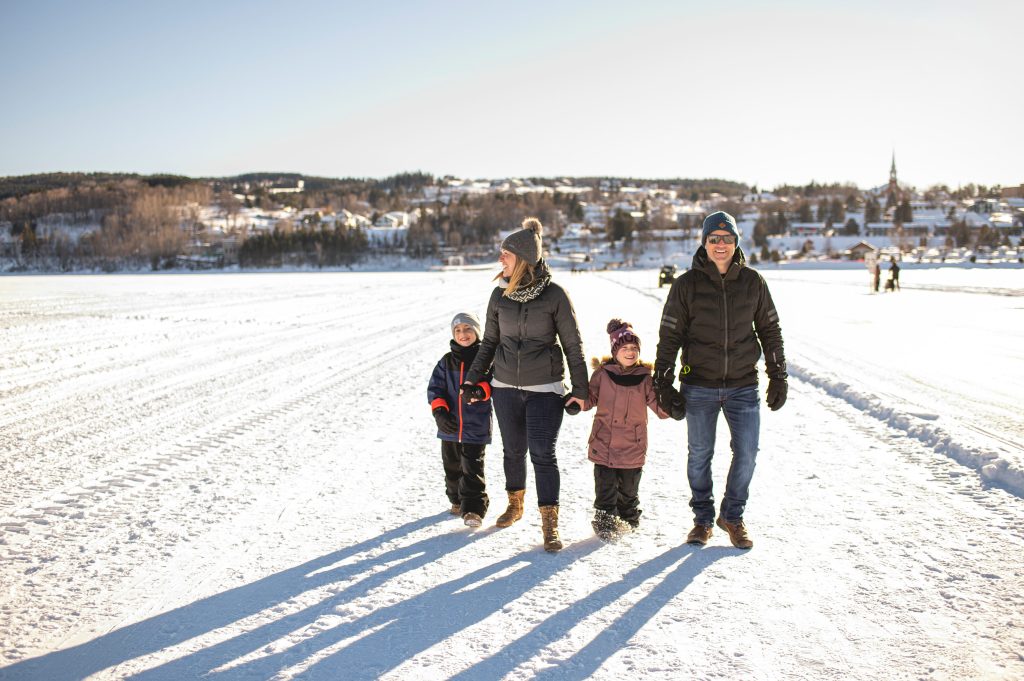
721,239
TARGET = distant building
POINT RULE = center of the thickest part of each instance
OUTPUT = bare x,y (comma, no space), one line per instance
861,249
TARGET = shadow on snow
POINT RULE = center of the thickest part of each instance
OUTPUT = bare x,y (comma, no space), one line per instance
386,637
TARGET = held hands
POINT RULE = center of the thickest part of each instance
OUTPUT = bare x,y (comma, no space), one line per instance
471,392
670,400
678,411
778,388
573,405
446,422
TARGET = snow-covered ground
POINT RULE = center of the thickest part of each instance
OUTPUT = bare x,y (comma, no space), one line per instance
235,476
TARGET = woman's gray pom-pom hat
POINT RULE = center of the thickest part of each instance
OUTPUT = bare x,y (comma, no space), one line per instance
525,243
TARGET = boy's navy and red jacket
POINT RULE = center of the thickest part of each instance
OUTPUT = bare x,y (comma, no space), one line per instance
443,391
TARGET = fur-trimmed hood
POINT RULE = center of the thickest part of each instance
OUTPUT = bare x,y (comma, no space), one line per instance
608,362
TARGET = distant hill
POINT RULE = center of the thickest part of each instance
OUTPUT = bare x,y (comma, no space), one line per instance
22,185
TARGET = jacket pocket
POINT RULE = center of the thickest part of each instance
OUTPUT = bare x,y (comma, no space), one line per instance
555,357
640,436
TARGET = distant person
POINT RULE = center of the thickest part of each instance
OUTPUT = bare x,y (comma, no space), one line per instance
894,273
622,389
530,325
720,314
876,275
464,429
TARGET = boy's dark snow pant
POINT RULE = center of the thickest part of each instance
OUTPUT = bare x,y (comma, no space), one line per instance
617,491
464,481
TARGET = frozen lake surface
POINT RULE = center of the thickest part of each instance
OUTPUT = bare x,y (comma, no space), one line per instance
235,476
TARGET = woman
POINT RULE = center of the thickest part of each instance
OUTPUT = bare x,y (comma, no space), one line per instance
527,316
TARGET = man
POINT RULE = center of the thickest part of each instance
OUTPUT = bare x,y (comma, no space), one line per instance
719,314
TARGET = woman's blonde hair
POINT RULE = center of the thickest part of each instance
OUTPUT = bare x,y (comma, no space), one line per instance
522,275
523,271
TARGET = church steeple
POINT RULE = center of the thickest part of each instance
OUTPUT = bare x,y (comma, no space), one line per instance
893,195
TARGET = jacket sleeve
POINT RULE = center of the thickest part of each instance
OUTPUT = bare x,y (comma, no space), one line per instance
594,390
488,344
652,399
485,383
437,389
572,345
672,332
766,323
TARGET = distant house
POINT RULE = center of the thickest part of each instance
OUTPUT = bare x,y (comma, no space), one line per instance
394,220
860,249
345,219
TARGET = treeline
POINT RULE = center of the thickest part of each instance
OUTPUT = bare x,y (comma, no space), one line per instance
473,223
687,188
22,185
312,246
130,223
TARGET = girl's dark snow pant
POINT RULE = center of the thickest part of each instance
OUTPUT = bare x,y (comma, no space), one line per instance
617,491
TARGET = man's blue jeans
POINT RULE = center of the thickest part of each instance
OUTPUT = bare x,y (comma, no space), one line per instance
742,410
530,421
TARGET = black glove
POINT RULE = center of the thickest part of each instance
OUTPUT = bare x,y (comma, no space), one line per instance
678,410
778,388
446,422
471,391
670,400
571,408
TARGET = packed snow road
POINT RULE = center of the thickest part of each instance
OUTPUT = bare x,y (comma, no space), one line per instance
236,477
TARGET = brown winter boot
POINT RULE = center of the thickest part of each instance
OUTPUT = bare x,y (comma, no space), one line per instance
737,533
514,511
549,524
699,534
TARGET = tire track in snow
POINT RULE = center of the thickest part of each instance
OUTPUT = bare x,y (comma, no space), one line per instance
159,462
156,403
132,492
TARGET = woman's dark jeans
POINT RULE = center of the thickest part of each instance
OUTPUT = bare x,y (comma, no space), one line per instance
530,421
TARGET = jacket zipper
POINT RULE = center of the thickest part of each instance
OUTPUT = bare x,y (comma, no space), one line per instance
458,399
725,335
519,349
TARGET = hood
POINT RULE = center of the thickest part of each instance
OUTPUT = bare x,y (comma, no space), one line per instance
609,364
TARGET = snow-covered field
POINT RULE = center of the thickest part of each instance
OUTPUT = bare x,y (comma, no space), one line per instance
235,476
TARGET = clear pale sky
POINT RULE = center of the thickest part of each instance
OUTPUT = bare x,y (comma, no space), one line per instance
758,92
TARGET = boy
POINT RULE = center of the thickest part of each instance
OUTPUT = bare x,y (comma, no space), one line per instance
464,429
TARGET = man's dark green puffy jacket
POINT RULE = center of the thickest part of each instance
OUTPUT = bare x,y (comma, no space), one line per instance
520,340
717,323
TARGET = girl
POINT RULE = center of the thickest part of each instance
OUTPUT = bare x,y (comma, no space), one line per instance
622,389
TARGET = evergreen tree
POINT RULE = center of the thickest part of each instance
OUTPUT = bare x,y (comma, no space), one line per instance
804,213
823,210
904,213
872,211
838,210
620,226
